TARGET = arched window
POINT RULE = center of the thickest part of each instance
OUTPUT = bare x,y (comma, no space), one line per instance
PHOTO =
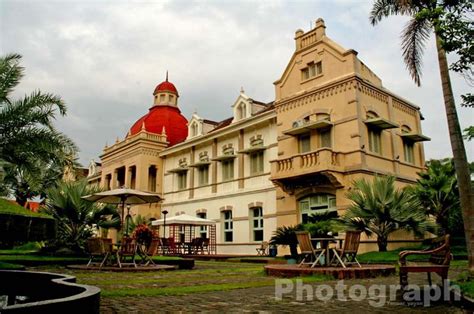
194,129
241,111
316,203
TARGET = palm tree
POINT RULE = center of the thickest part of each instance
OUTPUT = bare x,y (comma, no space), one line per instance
381,209
29,143
74,215
437,191
286,236
426,18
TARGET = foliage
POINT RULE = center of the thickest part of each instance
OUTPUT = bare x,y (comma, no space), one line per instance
381,209
323,225
74,215
144,234
285,236
32,152
437,191
132,223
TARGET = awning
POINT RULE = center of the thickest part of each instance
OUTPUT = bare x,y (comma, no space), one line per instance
224,157
253,149
381,123
183,219
200,164
179,169
415,137
314,125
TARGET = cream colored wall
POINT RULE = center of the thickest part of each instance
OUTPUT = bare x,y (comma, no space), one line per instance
253,189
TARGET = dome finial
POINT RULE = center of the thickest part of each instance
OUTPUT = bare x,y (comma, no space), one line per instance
167,75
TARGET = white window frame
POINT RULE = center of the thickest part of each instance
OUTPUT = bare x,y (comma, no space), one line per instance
256,222
227,226
314,203
257,162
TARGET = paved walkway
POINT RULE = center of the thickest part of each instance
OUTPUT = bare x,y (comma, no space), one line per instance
263,300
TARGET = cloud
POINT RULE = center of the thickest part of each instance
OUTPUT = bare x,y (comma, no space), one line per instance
106,57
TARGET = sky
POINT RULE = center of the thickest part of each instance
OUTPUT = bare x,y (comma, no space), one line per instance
105,58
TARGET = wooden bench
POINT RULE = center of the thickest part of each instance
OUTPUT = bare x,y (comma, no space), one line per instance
439,258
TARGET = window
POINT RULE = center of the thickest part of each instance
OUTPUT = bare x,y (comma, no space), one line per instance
325,138
408,149
228,226
202,229
256,162
241,111
182,180
171,99
203,175
162,99
304,143
375,141
227,169
257,223
316,203
152,178
312,70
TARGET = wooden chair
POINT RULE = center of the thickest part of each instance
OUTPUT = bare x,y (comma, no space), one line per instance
205,245
307,249
263,249
347,255
151,251
97,249
128,249
438,262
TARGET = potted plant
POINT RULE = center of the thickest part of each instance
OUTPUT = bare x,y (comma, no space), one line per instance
285,236
144,235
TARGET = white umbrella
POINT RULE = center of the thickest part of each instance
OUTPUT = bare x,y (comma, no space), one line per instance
124,196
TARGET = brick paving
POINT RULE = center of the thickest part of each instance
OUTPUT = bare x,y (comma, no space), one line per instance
255,299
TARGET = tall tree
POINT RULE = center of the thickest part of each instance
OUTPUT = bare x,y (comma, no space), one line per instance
427,16
29,143
381,209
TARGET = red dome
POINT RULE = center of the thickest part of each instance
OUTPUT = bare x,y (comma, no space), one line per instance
163,116
166,87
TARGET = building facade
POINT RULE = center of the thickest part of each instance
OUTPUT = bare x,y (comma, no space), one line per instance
274,164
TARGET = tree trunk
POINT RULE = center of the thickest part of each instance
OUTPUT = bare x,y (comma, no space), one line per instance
459,154
382,243
293,250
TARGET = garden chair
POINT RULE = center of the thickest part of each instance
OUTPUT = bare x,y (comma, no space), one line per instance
205,245
151,251
438,262
197,245
263,249
97,249
307,249
347,255
128,249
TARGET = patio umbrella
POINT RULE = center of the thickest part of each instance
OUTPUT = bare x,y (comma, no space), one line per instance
124,196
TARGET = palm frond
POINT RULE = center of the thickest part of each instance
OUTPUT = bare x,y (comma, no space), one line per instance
385,8
414,37
10,75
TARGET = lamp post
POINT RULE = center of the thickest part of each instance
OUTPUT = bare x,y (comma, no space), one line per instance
165,212
127,218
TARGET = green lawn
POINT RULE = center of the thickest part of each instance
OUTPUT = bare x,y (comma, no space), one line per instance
206,277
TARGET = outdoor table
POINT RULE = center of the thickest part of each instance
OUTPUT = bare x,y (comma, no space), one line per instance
325,246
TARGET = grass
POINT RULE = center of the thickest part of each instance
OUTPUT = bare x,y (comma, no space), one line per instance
391,257
9,208
206,277
10,266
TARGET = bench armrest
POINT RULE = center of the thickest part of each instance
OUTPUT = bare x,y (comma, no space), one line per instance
403,254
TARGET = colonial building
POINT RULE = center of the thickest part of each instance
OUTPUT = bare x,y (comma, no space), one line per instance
272,164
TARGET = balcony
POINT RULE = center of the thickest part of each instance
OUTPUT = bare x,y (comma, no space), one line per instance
302,165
